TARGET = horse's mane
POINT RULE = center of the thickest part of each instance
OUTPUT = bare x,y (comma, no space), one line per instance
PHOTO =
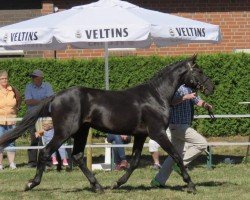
161,75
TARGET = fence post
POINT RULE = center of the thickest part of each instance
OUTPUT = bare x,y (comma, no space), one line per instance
89,150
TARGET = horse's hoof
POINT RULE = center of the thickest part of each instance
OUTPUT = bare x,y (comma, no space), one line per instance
114,186
28,186
191,189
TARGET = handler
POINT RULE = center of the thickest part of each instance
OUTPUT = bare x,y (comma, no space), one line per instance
181,116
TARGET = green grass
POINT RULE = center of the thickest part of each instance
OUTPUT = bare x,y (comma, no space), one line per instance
223,182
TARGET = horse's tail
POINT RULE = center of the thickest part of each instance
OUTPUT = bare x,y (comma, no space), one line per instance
29,120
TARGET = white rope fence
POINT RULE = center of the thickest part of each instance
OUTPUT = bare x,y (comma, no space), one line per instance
222,116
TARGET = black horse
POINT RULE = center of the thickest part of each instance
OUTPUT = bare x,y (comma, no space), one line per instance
140,111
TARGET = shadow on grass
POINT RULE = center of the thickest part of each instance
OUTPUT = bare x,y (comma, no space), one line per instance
177,187
34,190
214,184
108,189
127,188
217,159
46,189
22,164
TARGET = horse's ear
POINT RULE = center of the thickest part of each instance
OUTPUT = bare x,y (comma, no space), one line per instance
192,62
193,58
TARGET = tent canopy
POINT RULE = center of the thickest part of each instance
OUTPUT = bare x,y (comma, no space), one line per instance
106,24
118,23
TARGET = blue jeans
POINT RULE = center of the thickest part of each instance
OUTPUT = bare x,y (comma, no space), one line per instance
119,152
3,130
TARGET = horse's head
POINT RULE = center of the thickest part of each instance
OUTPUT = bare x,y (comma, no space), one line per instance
196,79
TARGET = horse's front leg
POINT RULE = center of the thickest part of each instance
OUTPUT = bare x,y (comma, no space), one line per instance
162,139
43,157
139,140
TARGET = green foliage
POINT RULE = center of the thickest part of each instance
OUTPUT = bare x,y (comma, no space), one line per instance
230,74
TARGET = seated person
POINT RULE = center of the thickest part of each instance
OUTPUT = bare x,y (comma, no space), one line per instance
154,150
120,160
153,147
47,134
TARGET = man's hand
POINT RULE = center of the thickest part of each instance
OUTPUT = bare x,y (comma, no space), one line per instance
189,96
124,137
178,100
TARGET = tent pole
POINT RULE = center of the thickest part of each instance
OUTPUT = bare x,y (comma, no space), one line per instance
106,55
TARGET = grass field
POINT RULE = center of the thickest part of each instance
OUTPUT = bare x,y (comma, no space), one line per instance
225,181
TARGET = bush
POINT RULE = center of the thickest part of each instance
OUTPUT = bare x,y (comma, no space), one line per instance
230,74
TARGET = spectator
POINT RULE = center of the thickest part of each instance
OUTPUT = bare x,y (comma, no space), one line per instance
47,134
10,101
120,160
35,92
154,150
181,116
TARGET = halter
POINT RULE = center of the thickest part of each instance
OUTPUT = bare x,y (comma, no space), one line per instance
199,85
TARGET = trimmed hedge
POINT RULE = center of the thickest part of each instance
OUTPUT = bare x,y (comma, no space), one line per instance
230,74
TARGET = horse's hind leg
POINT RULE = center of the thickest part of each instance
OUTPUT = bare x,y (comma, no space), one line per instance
80,139
164,142
63,129
139,140
44,155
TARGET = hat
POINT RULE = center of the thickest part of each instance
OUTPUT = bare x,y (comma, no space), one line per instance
37,72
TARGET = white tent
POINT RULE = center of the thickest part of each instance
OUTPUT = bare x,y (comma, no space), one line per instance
106,24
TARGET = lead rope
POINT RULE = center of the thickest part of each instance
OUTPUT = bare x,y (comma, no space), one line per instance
211,114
